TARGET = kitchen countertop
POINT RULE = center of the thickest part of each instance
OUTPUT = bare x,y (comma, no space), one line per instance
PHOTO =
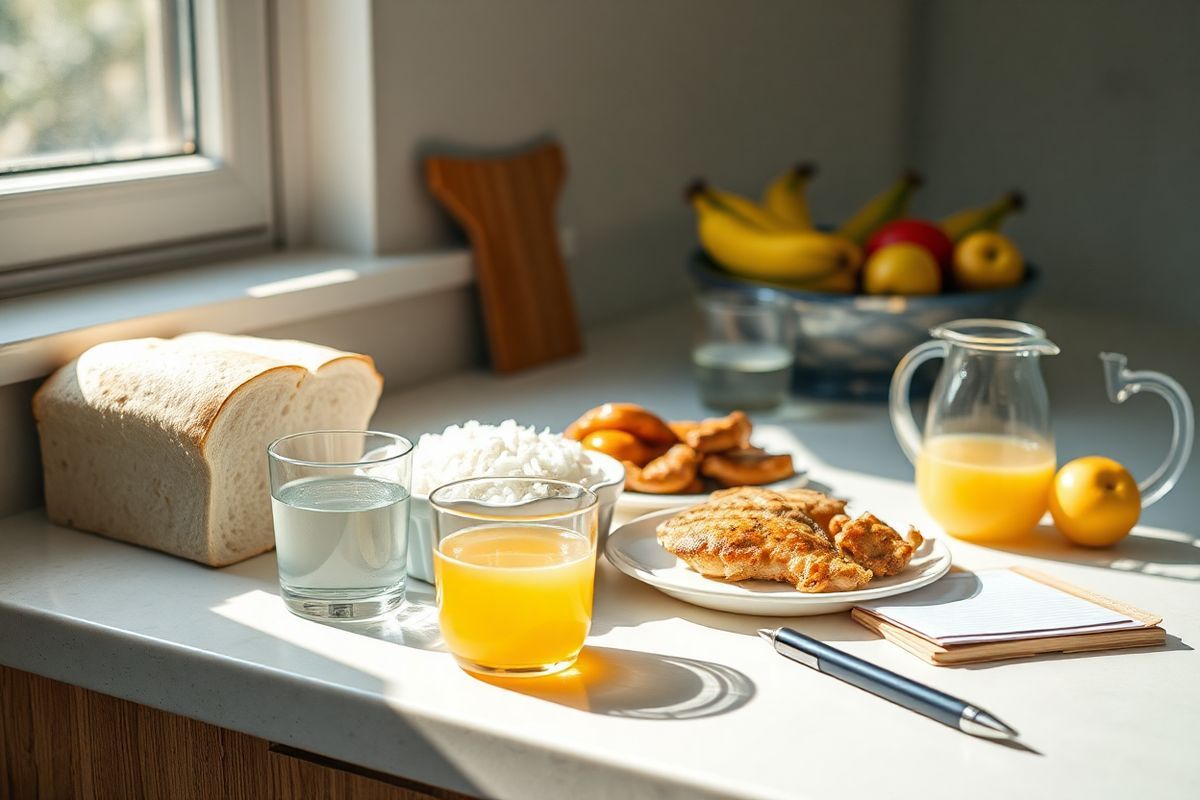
668,700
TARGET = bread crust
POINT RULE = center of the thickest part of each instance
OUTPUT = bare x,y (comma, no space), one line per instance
128,434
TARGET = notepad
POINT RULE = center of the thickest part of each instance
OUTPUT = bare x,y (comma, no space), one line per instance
1005,613
993,606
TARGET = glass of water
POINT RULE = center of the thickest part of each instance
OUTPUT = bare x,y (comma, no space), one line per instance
340,505
743,349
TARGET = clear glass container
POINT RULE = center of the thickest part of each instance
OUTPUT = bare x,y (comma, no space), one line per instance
340,503
986,460
515,570
743,350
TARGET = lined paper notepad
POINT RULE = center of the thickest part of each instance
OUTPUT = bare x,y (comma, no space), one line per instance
1005,613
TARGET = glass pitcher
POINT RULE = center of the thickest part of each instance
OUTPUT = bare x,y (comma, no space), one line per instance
986,461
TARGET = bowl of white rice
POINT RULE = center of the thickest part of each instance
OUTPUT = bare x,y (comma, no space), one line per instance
507,450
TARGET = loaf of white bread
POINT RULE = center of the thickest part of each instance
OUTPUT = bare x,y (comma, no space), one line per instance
163,442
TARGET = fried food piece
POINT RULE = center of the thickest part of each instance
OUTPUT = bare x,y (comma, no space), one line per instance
749,467
695,487
743,537
718,434
819,507
628,417
621,445
683,427
874,544
653,451
670,473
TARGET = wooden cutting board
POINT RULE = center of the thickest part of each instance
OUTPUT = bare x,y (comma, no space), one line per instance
508,207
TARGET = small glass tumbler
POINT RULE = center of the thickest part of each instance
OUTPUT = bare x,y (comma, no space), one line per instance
516,566
340,505
743,350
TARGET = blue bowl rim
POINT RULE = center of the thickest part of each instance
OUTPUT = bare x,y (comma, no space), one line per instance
709,273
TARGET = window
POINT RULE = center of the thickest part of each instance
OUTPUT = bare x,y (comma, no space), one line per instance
128,127
86,83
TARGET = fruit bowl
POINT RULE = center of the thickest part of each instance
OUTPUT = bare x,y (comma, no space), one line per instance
848,344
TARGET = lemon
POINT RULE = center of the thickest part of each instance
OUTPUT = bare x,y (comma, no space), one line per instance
1094,501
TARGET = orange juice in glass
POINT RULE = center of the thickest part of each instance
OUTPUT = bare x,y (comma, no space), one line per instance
515,567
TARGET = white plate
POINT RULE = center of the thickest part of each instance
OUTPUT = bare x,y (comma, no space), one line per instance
634,549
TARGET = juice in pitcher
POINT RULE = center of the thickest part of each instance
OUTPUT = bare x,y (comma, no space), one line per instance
985,487
515,598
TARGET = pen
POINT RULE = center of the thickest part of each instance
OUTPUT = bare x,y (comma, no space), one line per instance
886,684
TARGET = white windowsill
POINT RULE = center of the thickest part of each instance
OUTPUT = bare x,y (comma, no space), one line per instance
40,332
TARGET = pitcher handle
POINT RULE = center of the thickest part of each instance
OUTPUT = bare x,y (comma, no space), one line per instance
1122,383
903,422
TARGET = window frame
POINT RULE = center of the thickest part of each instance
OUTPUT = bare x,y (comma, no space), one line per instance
85,220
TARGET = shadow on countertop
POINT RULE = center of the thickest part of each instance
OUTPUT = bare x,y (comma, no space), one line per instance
626,683
1165,554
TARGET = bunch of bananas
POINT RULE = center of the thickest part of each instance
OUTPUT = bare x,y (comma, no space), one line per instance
775,240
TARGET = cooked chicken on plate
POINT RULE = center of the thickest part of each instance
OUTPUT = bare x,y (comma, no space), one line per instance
818,505
753,533
874,544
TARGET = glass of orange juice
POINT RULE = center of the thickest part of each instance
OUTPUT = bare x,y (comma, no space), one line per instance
515,566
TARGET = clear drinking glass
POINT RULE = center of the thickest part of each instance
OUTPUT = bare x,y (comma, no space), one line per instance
340,505
515,564
743,350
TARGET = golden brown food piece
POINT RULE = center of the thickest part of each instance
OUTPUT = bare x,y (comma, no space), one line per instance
670,473
819,507
739,537
695,487
719,434
874,544
749,467
628,417
621,445
683,427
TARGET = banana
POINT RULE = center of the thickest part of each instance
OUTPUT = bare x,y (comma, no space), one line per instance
891,203
958,226
785,197
746,208
749,249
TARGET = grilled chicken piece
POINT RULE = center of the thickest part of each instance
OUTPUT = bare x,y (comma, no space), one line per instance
874,544
820,507
743,535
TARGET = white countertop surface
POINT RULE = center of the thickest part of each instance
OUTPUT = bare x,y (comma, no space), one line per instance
669,700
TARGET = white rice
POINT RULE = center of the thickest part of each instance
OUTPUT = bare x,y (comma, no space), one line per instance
507,450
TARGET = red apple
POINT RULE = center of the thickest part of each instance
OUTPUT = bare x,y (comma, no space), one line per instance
919,232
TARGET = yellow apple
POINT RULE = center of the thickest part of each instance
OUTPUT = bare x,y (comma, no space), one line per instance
987,260
902,268
1094,501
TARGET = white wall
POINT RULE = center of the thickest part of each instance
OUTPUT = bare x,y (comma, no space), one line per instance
1092,107
645,96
